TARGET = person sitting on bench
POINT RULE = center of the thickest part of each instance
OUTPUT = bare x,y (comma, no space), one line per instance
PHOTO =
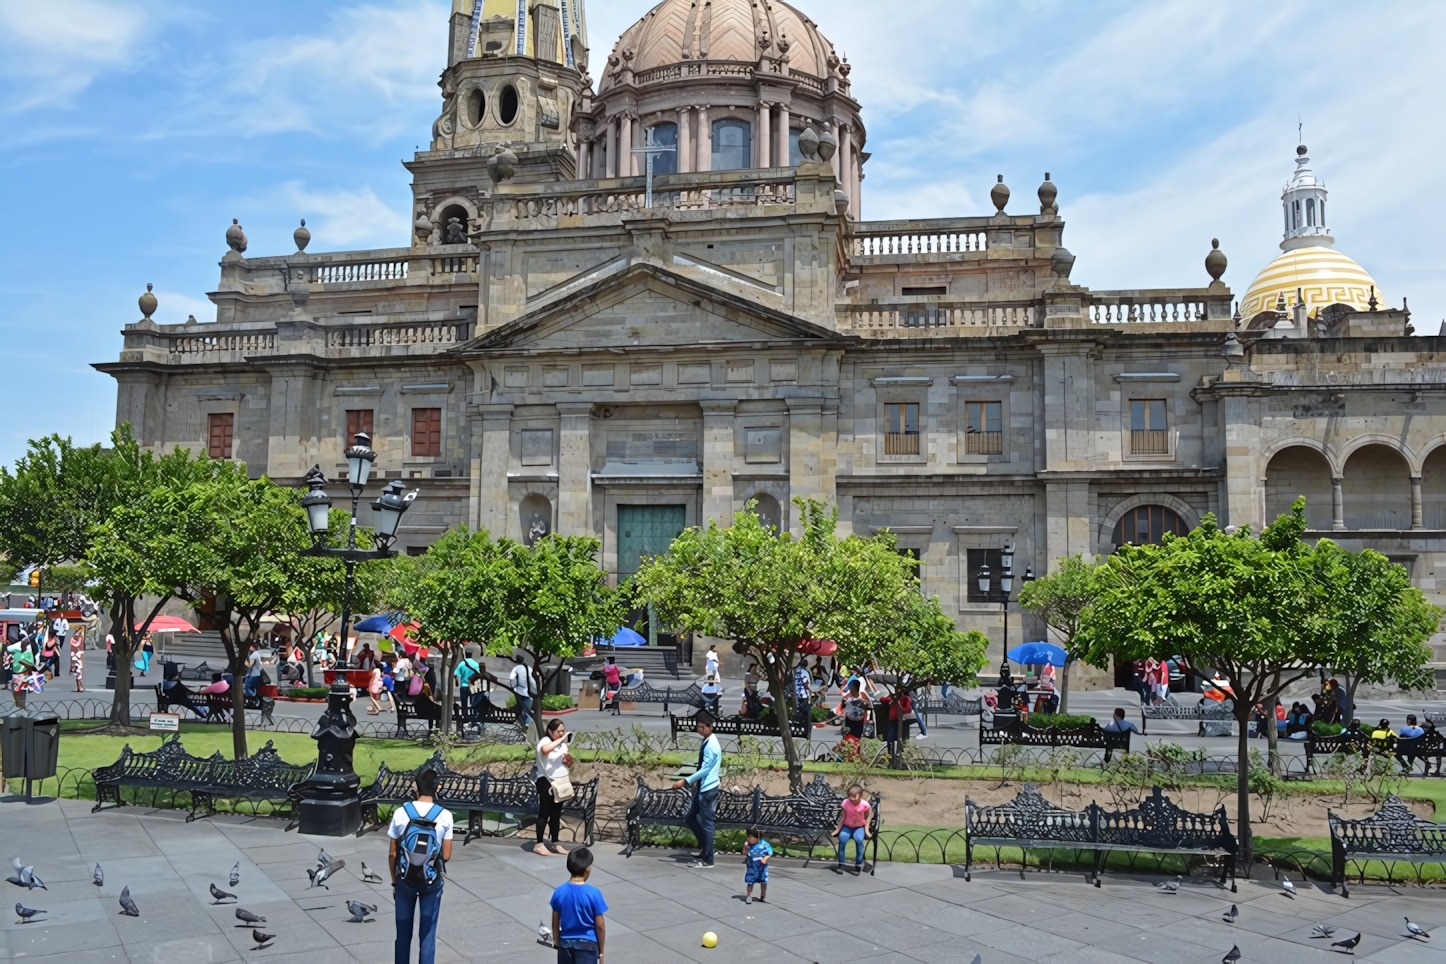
175,693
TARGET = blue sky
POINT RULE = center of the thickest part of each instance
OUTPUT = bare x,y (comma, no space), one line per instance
133,131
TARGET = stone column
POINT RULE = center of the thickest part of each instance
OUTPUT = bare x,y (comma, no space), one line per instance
1338,505
784,154
805,454
765,112
494,503
717,461
1417,522
625,146
574,477
846,167
685,140
612,159
293,445
705,140
584,160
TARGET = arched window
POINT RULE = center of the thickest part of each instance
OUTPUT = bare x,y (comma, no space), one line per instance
507,110
732,145
1310,211
476,106
1322,212
769,512
1147,524
1295,209
664,135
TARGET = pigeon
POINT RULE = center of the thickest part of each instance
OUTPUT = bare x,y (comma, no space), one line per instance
25,877
1415,930
219,895
98,877
261,939
369,875
1231,914
359,911
977,960
128,906
1349,943
1323,930
322,859
235,874
544,933
325,873
18,877
1170,886
247,918
1287,886
26,912
1232,955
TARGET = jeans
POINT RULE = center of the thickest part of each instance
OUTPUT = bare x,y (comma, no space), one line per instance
576,952
408,897
700,821
856,834
524,710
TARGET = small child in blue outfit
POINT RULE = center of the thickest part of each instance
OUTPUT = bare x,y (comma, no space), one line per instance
578,930
757,873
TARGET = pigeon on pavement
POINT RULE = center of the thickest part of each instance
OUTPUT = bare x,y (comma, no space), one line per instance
26,912
247,918
1170,886
1415,929
977,959
219,895
128,906
1323,929
25,876
323,858
325,873
1231,914
1232,955
359,911
98,877
544,933
369,875
235,874
1349,943
261,939
1287,886
17,876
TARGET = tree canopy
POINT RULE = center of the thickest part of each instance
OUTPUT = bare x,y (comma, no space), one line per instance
1060,599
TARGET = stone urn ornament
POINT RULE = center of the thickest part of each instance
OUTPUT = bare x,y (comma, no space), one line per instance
423,227
501,165
827,145
1215,261
1047,194
301,236
999,194
148,302
808,144
236,237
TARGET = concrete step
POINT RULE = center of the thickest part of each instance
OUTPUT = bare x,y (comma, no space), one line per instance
652,660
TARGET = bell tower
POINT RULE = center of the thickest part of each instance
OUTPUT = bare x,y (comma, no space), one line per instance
1303,202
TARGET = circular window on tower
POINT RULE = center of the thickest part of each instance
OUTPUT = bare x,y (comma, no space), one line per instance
476,106
507,110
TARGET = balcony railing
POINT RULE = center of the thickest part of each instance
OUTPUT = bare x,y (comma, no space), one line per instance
392,270
901,443
1148,441
867,319
935,236
984,443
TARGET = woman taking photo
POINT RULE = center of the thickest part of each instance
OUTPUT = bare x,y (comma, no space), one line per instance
554,785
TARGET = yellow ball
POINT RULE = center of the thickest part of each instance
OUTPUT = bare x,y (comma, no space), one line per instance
710,939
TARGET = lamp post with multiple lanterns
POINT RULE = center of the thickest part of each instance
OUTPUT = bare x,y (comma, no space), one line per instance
1006,585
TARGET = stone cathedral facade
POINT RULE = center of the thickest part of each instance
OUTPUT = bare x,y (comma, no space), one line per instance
569,343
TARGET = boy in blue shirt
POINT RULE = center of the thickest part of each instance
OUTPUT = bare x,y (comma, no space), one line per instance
578,930
757,873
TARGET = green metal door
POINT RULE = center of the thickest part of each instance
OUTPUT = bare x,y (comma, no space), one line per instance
646,530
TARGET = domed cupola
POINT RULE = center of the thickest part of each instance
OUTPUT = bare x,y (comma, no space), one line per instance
1304,205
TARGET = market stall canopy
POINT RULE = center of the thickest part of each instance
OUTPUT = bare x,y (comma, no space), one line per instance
627,637
171,624
382,623
818,647
1038,654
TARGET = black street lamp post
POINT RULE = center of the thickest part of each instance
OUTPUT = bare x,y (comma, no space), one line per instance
330,805
1006,585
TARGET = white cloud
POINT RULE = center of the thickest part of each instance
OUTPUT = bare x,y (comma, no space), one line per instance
51,50
174,308
342,218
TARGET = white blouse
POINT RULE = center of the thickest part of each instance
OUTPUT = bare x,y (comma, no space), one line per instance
550,765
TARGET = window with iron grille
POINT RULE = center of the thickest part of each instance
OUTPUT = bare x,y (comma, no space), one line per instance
1146,524
426,432
220,427
983,431
1147,427
901,431
915,558
357,420
975,560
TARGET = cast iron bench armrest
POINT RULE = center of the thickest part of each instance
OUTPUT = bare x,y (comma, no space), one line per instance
1391,834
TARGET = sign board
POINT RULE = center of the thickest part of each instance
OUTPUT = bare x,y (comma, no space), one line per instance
166,722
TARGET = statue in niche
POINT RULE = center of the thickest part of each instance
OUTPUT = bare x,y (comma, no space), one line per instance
456,231
537,529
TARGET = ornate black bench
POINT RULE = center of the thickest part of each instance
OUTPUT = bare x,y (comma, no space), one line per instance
414,708
1393,834
1091,737
738,726
468,711
219,706
262,776
1431,746
1206,711
951,705
808,817
476,793
1349,743
1156,826
690,695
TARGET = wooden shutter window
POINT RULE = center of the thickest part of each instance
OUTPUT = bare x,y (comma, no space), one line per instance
220,427
357,420
426,432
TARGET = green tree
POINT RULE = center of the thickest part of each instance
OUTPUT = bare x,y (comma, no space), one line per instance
768,592
1376,624
1060,599
1246,606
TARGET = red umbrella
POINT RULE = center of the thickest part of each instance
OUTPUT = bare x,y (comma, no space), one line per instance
401,633
171,624
818,647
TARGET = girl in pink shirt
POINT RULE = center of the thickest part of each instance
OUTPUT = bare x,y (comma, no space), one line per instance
853,824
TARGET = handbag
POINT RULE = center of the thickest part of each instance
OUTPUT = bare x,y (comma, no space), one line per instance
561,788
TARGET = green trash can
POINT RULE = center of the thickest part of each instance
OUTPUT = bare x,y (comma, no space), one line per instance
12,746
31,748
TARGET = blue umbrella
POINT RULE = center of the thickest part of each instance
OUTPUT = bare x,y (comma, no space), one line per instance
1037,654
627,637
377,624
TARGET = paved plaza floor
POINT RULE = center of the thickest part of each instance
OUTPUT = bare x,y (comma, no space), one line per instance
497,894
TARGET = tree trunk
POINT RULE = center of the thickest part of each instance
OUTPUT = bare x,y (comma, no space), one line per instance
449,663
237,692
1242,784
775,671
1272,733
1348,710
537,684
1064,687
122,617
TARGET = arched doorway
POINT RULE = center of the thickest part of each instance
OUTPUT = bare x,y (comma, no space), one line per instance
769,512
1299,471
1433,490
1376,487
1147,524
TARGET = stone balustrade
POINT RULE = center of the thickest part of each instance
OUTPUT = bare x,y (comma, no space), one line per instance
701,191
365,336
252,344
943,236
1157,306
904,318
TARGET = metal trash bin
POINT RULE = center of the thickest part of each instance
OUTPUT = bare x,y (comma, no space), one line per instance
560,684
12,746
31,747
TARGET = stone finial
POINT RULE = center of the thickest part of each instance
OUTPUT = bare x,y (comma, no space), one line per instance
501,165
999,194
808,144
236,237
1232,351
1280,302
148,302
1373,302
827,145
1061,262
301,236
1047,193
423,228
841,202
1215,261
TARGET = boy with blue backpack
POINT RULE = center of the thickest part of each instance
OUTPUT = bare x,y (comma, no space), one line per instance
421,833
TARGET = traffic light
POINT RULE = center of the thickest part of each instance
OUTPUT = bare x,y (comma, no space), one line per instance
35,577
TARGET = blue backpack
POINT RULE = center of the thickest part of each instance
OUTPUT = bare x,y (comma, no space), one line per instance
419,854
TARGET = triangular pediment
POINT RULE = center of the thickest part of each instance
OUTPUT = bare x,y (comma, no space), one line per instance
646,305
